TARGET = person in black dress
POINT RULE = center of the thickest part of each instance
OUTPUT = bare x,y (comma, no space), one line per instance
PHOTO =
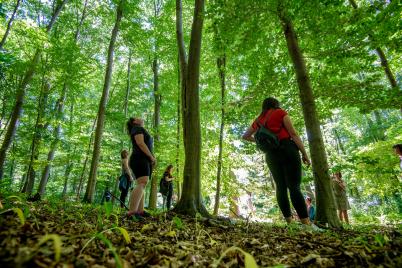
141,162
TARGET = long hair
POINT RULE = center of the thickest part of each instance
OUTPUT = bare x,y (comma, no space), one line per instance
269,103
130,125
398,146
168,169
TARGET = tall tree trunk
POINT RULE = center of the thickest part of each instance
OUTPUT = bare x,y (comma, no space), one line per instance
37,139
326,210
157,106
178,181
381,55
339,144
66,177
89,193
20,96
128,86
10,22
221,63
81,181
156,123
191,202
59,115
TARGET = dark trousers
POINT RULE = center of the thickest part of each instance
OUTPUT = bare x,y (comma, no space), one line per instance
169,195
285,166
123,196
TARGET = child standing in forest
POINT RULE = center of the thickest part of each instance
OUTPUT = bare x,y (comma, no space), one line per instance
341,199
310,209
283,161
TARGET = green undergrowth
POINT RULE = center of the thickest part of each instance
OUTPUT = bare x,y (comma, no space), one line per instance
52,233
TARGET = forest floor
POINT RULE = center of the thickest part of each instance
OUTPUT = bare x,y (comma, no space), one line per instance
59,234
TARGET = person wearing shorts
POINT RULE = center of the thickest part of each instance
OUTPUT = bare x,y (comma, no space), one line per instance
141,162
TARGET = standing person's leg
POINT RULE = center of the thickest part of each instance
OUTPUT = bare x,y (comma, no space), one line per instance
293,179
346,216
137,195
123,196
169,196
274,165
164,202
340,215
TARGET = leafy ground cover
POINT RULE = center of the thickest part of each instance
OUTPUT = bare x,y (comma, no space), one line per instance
61,234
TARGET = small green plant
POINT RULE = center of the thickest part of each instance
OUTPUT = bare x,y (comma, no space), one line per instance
56,244
178,222
123,232
19,213
111,248
249,261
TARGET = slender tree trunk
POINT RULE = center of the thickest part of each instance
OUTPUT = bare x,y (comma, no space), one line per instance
156,123
10,22
128,87
221,63
12,166
81,181
66,177
37,139
89,193
326,210
339,144
59,116
178,181
381,55
191,202
20,96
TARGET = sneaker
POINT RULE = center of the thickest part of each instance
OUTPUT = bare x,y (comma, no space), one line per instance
312,227
145,214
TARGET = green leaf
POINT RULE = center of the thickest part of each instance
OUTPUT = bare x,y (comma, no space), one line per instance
56,242
125,234
20,215
178,222
250,261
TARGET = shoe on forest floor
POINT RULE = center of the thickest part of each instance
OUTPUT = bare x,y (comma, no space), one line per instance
145,214
312,228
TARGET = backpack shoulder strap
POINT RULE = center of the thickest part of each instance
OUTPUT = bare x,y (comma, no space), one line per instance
266,119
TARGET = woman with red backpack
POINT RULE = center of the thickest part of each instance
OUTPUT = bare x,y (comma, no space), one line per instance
275,135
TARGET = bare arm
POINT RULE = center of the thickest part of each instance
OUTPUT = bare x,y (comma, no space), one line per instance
295,137
139,139
127,169
169,179
248,135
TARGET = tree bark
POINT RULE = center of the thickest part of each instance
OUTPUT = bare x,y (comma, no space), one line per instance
191,202
36,140
381,55
59,116
20,96
66,177
326,210
178,132
89,193
221,64
10,22
156,123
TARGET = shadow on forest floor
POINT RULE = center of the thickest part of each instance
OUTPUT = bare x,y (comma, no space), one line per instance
46,234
